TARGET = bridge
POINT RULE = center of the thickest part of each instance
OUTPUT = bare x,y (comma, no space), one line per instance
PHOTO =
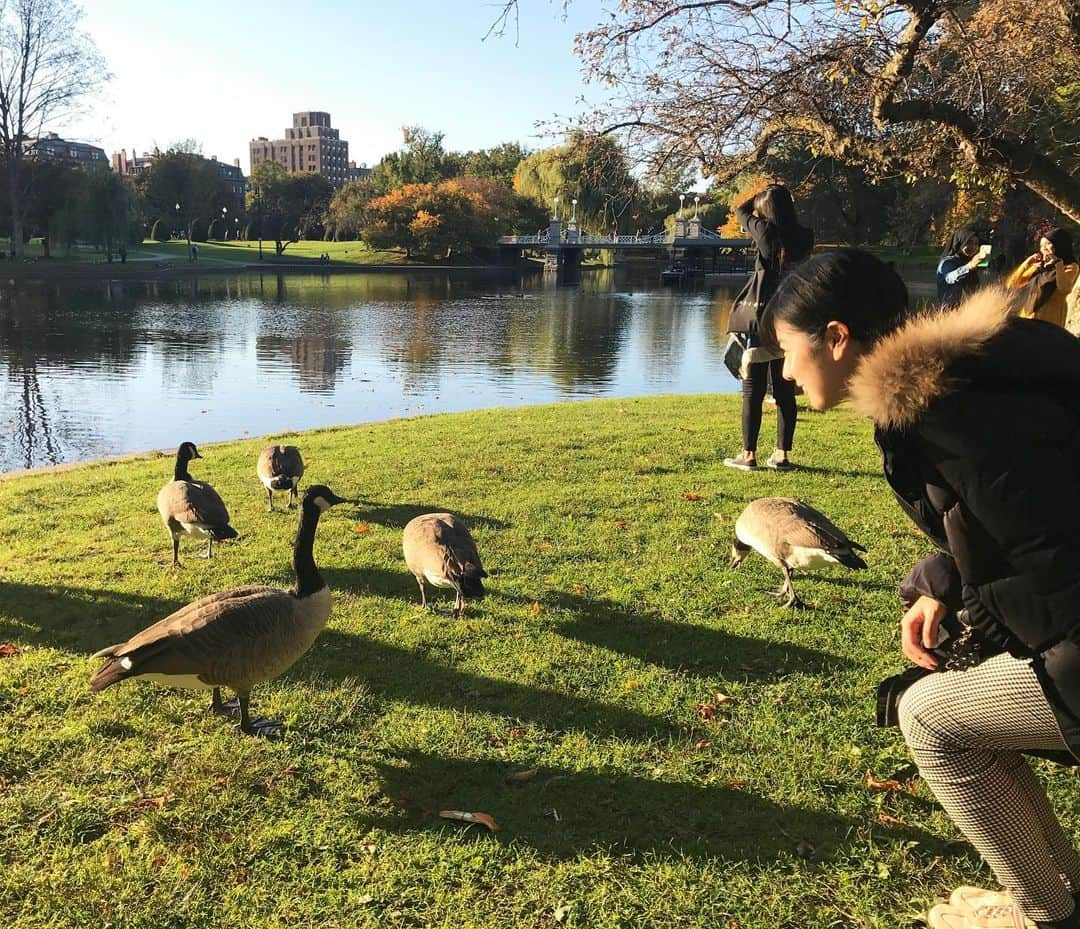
689,242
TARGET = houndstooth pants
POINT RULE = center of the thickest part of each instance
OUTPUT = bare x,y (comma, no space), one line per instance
966,730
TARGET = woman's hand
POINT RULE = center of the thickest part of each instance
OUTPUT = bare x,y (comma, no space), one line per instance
919,631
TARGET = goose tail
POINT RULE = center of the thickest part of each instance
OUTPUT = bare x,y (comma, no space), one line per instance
849,559
281,482
113,671
220,533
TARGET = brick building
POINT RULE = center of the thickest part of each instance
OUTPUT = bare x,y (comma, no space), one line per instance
311,146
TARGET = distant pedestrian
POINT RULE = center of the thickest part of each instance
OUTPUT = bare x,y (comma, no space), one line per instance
958,270
194,252
1047,277
123,253
780,242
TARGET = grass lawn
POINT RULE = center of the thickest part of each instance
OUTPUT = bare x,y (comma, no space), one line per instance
660,743
305,251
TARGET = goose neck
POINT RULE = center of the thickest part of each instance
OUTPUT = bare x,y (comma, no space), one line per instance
308,579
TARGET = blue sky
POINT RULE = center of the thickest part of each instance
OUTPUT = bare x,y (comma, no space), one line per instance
226,72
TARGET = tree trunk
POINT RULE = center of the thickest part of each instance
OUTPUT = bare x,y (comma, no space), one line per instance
17,248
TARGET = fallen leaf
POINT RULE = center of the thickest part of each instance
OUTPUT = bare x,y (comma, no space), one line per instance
543,547
361,528
620,524
706,711
736,785
888,820
7,650
534,610
630,685
722,699
518,732
580,590
889,784
702,743
483,819
692,497
520,777
155,802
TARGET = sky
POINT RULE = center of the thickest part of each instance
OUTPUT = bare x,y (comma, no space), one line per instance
223,73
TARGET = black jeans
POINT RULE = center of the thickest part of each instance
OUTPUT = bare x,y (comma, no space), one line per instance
753,395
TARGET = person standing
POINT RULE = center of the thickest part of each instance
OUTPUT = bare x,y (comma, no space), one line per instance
958,270
1047,277
769,219
977,415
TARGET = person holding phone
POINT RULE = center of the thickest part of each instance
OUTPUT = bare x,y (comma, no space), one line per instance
977,415
1047,277
958,269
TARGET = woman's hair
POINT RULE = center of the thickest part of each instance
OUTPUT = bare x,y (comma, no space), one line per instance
1062,242
775,205
957,240
846,285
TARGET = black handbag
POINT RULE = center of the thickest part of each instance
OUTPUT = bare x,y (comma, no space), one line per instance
747,304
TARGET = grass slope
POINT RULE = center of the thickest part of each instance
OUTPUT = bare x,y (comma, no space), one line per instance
599,668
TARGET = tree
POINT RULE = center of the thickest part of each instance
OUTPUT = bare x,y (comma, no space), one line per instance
498,163
106,208
975,92
160,231
288,207
422,160
47,66
590,168
459,215
346,214
184,178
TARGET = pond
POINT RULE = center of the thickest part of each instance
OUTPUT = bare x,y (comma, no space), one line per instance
101,368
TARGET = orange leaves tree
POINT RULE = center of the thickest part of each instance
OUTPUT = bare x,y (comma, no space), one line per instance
975,91
455,216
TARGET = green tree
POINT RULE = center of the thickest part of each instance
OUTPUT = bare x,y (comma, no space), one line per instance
591,168
346,214
184,178
421,160
106,208
499,163
288,207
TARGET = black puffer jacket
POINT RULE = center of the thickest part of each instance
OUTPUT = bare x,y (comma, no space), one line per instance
977,415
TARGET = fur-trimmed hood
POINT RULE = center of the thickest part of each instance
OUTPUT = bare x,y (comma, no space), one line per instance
912,367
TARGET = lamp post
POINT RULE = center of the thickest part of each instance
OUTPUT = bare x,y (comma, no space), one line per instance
225,222
187,229
681,198
697,200
573,218
236,228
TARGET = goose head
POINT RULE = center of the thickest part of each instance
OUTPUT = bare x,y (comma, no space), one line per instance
321,498
739,550
187,451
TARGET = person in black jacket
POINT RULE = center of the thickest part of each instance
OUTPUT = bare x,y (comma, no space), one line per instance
977,415
769,219
958,269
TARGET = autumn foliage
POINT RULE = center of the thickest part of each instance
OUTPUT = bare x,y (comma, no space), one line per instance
439,219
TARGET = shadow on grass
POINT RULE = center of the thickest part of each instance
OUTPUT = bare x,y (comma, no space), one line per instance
563,813
76,619
396,515
395,673
681,646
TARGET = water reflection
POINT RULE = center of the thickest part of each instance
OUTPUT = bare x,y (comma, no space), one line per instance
108,367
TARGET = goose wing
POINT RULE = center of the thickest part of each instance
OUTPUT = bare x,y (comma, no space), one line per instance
806,527
460,554
192,503
216,640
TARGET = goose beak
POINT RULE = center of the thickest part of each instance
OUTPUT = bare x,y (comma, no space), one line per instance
333,499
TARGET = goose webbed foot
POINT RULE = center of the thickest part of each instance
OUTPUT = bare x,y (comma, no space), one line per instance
229,708
795,602
264,728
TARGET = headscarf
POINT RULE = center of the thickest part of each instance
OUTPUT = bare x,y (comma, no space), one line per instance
956,242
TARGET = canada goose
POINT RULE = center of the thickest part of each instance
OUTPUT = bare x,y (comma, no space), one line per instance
280,467
191,507
792,536
439,549
236,638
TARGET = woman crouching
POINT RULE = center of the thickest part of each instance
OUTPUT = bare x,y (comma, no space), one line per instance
977,415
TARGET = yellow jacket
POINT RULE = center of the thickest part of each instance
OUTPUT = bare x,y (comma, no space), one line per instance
1055,309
